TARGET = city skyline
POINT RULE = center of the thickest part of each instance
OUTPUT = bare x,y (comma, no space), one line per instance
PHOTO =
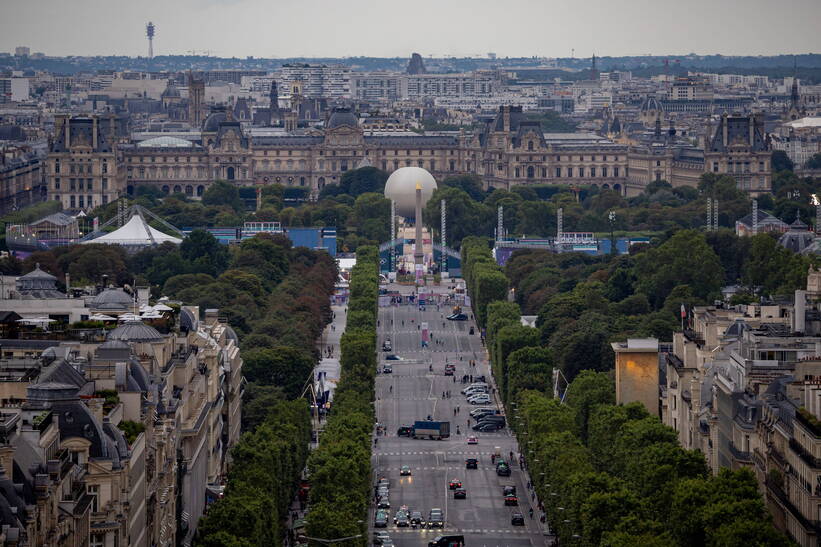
460,28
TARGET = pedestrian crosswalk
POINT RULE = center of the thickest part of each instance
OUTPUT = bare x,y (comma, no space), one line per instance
442,452
451,530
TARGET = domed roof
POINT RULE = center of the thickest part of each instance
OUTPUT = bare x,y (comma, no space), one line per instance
342,116
112,299
171,91
165,142
213,121
401,188
135,331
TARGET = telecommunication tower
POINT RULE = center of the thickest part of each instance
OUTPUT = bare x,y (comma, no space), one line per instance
149,31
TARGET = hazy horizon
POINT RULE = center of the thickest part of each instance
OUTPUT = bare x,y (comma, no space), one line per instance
389,28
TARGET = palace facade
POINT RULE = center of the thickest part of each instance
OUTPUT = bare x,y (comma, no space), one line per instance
86,167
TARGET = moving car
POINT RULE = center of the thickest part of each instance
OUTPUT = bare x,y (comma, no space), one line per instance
380,537
383,503
473,440
416,518
502,469
509,492
517,519
436,518
405,431
401,519
471,463
387,369
460,494
454,484
450,369
447,541
405,471
393,357
387,346
380,520
457,317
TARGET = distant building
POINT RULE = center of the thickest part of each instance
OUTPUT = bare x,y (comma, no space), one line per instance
22,51
637,372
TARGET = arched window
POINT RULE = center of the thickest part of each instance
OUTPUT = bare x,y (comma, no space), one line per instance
200,190
321,182
177,189
165,189
230,173
189,190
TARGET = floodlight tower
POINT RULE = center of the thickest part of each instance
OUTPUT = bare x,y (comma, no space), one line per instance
149,31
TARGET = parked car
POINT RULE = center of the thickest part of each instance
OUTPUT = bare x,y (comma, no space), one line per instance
479,400
471,463
486,427
460,494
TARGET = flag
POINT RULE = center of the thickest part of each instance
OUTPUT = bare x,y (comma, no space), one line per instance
683,312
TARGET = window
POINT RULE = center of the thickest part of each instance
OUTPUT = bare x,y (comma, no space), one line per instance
56,184
581,172
715,167
452,165
530,145
531,172
604,171
558,172
97,540
615,171
73,203
72,184
93,490
517,173
592,171
544,172
658,163
569,172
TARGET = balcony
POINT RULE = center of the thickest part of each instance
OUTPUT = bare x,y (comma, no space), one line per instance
740,455
809,421
802,453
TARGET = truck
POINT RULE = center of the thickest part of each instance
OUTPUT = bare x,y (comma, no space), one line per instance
426,429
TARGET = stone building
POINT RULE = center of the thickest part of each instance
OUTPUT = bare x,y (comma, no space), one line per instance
21,178
508,150
84,168
117,441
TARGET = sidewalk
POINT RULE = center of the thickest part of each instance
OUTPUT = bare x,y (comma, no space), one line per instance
326,374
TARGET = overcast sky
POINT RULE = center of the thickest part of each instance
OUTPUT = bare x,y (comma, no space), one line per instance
338,28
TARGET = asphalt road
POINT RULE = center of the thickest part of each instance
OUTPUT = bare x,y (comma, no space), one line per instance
416,393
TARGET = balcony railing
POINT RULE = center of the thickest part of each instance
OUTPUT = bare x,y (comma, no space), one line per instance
808,458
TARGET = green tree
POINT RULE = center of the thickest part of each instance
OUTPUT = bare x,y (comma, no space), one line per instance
223,193
685,258
588,390
283,366
781,161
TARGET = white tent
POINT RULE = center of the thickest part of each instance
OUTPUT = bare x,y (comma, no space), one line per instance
135,232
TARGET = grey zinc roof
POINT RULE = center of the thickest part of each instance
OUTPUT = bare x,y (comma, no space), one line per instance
135,331
112,299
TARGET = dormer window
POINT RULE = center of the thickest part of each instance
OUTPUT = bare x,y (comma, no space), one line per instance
530,145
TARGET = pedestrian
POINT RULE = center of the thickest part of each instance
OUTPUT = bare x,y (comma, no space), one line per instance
458,409
454,379
443,394
533,496
454,412
448,394
511,455
542,518
531,512
528,485
493,458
